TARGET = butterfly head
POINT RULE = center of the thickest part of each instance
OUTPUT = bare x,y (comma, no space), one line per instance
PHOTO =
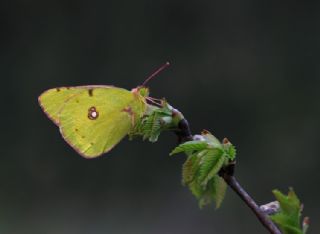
141,91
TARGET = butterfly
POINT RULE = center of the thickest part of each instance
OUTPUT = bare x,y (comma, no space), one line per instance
92,119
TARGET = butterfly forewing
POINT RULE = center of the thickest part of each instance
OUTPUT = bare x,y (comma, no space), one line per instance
53,100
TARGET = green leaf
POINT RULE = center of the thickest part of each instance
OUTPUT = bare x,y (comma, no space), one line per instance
199,172
206,156
214,191
155,128
196,189
190,146
190,168
210,164
229,149
220,187
290,206
288,218
231,152
206,198
147,126
282,221
211,139
155,120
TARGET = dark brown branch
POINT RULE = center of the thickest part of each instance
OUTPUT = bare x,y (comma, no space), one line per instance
227,173
183,133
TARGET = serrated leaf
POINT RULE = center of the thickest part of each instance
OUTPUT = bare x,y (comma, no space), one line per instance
206,198
231,152
215,191
211,163
196,189
211,139
155,120
189,146
288,218
282,221
206,156
189,169
289,204
155,128
150,127
220,190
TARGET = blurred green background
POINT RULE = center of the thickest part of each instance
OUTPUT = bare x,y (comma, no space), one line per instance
248,70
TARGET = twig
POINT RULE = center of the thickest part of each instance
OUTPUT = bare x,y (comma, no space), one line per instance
227,173
183,132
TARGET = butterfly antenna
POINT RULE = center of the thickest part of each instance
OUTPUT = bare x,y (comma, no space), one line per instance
156,73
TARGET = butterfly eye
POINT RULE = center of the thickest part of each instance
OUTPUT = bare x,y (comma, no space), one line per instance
93,113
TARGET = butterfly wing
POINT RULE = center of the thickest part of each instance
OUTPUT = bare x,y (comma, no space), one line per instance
52,100
97,118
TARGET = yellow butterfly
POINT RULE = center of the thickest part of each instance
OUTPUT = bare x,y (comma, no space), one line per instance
94,118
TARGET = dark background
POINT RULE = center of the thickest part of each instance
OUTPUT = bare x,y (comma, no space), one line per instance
247,70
